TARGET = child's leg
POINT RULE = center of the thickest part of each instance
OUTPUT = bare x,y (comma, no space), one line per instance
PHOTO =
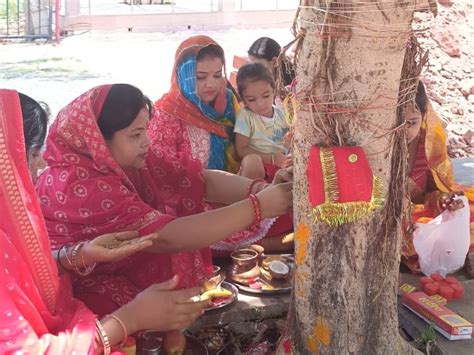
252,167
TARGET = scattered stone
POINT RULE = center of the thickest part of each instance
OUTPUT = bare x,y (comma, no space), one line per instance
445,2
439,99
448,40
467,87
446,74
469,138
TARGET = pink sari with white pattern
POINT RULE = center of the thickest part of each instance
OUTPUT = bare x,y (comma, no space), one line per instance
85,193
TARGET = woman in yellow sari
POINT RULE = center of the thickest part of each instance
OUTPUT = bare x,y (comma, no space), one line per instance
431,182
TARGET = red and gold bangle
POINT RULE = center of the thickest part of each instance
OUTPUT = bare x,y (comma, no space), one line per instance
104,339
251,185
257,212
124,328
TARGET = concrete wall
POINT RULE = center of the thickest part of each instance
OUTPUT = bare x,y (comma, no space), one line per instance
181,21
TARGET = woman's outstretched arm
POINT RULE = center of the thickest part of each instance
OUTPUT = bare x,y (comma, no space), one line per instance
207,228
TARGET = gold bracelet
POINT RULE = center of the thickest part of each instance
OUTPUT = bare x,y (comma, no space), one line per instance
122,324
104,339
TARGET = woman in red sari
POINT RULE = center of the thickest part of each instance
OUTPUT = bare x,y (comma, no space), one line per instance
102,178
196,118
38,314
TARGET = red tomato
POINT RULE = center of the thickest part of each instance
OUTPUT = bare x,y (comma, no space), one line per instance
437,277
442,283
431,289
458,290
446,292
425,280
452,280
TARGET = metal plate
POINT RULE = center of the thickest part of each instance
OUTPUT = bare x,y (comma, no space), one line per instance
284,287
229,300
150,342
263,292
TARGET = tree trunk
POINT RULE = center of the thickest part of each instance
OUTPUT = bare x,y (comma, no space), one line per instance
348,67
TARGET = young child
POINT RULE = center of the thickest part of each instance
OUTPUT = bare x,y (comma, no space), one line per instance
260,127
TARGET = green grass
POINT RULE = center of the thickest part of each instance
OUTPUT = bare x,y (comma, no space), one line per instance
12,8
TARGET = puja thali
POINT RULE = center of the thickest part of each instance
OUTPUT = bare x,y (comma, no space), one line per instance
272,275
221,302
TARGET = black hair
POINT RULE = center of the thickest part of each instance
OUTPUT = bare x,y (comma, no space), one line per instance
421,99
252,72
35,121
121,107
211,51
265,48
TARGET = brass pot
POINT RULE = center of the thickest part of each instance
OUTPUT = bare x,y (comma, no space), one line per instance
244,265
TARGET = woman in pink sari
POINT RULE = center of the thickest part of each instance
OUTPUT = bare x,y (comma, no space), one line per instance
38,314
102,178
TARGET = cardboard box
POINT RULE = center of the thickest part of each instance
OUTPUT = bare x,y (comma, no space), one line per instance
445,321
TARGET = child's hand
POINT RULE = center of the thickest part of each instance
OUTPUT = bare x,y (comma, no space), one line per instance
281,160
283,175
288,140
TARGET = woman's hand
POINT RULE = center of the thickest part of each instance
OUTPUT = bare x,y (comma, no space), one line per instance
276,200
162,308
446,201
283,175
115,246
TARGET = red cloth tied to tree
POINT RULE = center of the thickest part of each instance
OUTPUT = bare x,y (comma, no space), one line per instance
342,187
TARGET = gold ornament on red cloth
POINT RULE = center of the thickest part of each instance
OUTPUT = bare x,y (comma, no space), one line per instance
342,188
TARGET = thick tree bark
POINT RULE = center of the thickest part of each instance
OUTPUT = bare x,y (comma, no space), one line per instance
346,281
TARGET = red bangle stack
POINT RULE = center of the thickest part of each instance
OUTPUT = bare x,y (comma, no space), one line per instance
252,184
257,212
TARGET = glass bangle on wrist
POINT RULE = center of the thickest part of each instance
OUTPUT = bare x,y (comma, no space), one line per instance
103,338
124,328
85,270
257,212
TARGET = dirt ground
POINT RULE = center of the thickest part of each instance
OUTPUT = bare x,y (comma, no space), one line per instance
57,73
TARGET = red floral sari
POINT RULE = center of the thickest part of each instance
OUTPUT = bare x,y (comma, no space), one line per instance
37,312
85,193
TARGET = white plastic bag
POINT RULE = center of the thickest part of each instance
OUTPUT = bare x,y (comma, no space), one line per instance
442,243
